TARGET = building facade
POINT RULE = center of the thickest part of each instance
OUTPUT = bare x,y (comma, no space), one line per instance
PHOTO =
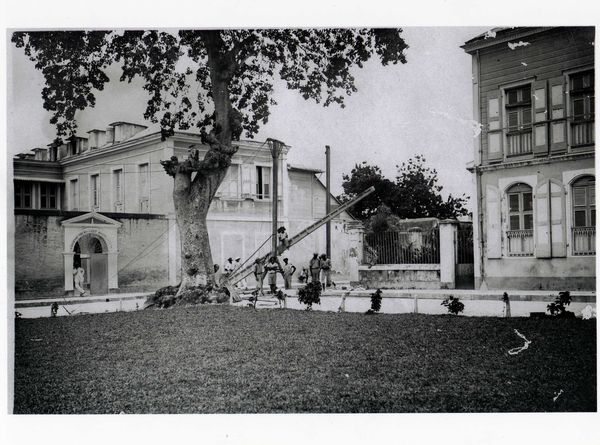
104,202
533,93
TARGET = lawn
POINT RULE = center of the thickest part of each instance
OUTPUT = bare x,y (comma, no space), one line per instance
222,359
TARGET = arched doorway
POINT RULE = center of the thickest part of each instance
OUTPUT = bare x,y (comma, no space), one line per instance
90,253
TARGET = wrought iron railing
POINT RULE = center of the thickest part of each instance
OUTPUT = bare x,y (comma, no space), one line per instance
402,248
584,241
520,242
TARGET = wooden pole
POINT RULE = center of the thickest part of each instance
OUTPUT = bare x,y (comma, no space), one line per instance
328,201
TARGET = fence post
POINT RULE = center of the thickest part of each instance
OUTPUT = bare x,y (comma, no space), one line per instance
448,229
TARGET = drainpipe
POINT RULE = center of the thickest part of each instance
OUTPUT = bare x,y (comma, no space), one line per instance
478,174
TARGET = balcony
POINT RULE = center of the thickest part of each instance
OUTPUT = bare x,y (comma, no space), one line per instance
520,242
519,143
584,241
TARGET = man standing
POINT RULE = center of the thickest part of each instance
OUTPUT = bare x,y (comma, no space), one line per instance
79,280
325,271
315,267
271,269
259,275
288,271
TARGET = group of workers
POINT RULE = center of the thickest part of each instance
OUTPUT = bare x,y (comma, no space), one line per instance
319,269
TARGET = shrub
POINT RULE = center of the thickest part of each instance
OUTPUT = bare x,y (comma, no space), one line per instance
375,302
310,294
454,305
558,308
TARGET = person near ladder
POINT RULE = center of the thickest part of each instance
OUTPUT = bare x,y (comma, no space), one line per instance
288,271
315,268
259,275
325,271
271,269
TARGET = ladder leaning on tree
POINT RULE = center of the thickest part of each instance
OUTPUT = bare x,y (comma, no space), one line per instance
243,272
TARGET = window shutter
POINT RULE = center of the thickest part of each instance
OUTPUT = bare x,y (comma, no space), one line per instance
494,136
494,231
557,220
542,226
558,123
247,179
540,129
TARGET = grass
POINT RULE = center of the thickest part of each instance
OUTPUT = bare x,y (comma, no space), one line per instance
221,359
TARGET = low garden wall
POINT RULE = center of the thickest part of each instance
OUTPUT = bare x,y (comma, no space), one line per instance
400,276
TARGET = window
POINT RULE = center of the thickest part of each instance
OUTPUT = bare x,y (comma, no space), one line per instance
48,196
520,220
263,189
23,195
230,186
518,120
118,190
584,216
581,93
144,188
95,191
74,194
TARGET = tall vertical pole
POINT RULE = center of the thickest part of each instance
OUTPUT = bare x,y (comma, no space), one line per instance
276,147
328,200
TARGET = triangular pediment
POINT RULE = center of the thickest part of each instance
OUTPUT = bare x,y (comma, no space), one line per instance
91,219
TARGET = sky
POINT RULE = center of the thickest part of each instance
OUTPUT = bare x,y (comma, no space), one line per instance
399,111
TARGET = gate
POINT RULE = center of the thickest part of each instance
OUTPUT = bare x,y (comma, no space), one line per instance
465,277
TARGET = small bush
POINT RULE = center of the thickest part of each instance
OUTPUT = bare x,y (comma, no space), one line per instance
454,305
558,308
310,294
375,302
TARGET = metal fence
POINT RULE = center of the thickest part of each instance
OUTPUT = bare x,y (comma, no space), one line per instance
402,247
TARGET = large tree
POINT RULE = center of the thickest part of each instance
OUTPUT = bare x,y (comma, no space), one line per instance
416,193
232,73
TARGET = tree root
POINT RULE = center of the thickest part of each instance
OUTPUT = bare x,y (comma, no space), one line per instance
168,297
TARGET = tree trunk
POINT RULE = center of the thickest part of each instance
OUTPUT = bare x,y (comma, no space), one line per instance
193,196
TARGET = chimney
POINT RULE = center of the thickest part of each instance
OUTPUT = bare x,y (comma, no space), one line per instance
110,135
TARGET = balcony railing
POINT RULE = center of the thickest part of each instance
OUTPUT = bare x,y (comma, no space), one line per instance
519,143
584,241
582,133
520,242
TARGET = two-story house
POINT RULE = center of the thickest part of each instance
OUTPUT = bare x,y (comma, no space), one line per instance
533,93
104,202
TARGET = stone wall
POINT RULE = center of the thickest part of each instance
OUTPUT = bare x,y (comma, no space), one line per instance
400,276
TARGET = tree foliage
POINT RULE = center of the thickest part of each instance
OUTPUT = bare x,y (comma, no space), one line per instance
415,193
218,81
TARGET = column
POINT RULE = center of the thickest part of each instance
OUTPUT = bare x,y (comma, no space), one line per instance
172,245
68,262
448,228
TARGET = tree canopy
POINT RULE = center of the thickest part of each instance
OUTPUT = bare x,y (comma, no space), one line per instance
415,193
219,81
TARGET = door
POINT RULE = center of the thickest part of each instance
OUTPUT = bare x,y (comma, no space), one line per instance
98,274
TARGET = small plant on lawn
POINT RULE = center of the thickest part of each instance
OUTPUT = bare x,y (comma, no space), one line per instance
375,302
310,294
454,305
558,308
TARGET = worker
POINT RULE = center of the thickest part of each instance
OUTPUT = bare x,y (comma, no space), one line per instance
288,271
315,267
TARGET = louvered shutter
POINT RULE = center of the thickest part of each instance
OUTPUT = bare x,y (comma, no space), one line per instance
558,123
493,222
557,220
540,127
247,180
494,135
542,226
